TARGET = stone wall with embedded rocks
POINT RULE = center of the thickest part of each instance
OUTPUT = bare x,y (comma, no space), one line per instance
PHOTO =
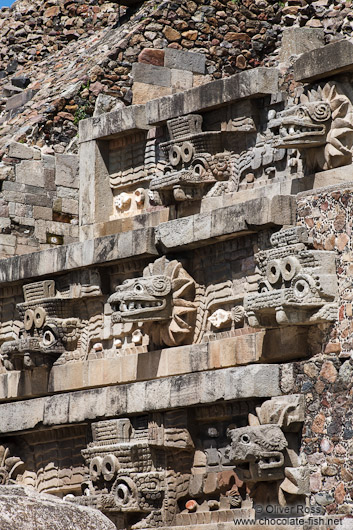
328,218
57,57
39,199
326,380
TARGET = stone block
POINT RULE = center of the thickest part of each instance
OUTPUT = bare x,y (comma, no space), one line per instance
296,41
227,222
22,415
252,381
22,151
247,84
325,62
143,92
56,410
31,172
293,341
151,56
181,79
182,60
66,257
69,206
14,102
67,171
151,75
87,405
41,212
113,123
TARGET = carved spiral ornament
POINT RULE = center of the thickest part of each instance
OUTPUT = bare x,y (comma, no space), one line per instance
160,286
321,112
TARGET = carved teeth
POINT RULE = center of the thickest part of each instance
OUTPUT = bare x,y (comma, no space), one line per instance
131,306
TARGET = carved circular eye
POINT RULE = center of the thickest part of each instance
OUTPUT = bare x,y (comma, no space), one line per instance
40,315
245,439
28,319
273,271
49,337
187,150
95,468
301,288
289,267
110,466
138,288
174,155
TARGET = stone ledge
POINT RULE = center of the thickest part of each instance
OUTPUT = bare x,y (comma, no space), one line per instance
113,124
67,257
246,348
324,62
248,84
242,382
241,218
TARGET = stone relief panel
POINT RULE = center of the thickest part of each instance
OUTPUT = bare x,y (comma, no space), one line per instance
298,285
60,317
133,161
196,161
49,461
196,466
167,306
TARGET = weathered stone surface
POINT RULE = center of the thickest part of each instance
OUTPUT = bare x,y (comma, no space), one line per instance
242,382
76,255
226,222
150,74
113,123
324,61
181,60
296,41
255,83
17,150
143,92
22,507
66,171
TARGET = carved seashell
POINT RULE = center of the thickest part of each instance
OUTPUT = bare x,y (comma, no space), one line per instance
238,313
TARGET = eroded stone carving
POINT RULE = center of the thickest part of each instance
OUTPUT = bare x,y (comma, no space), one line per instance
195,160
298,285
134,472
261,447
10,466
264,451
320,126
50,326
163,300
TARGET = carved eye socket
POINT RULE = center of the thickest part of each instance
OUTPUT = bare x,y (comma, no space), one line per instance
301,112
138,288
245,439
301,288
49,337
